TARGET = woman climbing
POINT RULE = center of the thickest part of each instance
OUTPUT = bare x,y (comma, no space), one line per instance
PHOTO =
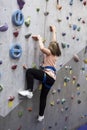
47,72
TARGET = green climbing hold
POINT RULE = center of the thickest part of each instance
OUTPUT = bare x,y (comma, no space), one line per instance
1,88
27,21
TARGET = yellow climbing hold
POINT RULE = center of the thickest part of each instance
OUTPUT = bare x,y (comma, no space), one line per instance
52,103
85,61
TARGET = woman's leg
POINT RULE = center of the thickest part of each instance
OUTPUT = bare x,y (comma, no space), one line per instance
43,98
32,74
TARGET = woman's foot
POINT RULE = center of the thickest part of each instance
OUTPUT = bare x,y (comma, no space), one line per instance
26,93
40,118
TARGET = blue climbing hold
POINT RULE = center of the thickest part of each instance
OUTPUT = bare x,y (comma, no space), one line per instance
17,18
15,51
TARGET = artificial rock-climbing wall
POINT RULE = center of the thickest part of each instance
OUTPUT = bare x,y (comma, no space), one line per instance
67,100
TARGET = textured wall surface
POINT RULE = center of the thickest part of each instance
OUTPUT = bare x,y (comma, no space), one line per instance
71,23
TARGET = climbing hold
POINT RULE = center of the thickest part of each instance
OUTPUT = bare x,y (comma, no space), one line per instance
19,128
34,65
15,33
72,96
20,114
11,98
74,27
29,109
28,35
52,103
84,3
63,34
15,51
38,9
17,18
86,77
70,13
71,2
59,90
53,91
1,88
4,27
74,79
79,101
0,62
78,86
27,21
58,101
14,67
78,29
63,101
46,13
63,45
66,79
85,61
59,20
21,3
76,58
83,21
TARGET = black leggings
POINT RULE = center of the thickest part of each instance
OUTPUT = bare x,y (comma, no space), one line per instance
38,74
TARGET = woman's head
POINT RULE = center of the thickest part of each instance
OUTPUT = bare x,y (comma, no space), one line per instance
54,48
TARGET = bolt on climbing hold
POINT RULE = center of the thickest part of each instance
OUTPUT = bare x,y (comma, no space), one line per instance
15,33
59,7
79,101
52,103
21,3
20,114
84,3
63,34
0,62
74,79
59,20
14,67
74,26
59,90
29,109
58,101
71,2
37,9
53,91
27,21
46,13
11,98
85,61
35,38
1,88
28,35
63,45
76,58
78,86
63,101
4,27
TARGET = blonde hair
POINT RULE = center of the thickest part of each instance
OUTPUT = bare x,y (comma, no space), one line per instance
54,48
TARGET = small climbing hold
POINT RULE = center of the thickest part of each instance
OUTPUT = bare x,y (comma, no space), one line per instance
29,109
58,101
53,91
1,88
84,3
66,79
76,58
19,128
79,101
52,103
85,61
28,35
0,62
74,27
63,45
14,67
70,13
71,2
38,9
34,65
46,13
72,96
83,21
78,29
63,101
59,7
59,20
62,110
74,79
27,21
15,33
59,90
21,3
11,98
63,34
4,27
20,114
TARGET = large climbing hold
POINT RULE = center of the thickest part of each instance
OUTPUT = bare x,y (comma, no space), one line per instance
21,3
17,18
4,27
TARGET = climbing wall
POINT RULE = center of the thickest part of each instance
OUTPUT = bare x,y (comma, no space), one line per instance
67,100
